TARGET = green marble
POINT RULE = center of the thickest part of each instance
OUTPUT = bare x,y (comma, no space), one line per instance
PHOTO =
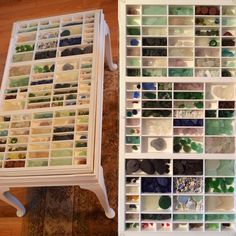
219,127
181,72
154,10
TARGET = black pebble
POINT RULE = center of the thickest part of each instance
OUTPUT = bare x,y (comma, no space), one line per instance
65,33
65,53
159,165
147,167
75,51
132,166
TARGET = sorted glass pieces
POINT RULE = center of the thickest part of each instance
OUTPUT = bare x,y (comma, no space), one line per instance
219,127
156,185
219,185
220,145
188,167
188,185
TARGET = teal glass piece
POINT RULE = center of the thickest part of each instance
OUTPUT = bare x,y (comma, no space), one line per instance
132,140
227,53
226,168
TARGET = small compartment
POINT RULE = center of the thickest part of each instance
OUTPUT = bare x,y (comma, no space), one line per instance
180,227
47,34
228,21
179,62
207,62
20,70
212,227
180,21
154,20
219,204
154,10
188,203
188,217
181,31
156,203
207,52
188,167
220,145
149,227
181,42
190,185
133,20
37,163
219,127
207,42
157,127
220,167
61,162
219,185
207,21
181,10
207,10
133,10
156,185
154,31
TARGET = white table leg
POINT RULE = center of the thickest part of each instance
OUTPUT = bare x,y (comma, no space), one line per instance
8,197
100,190
108,53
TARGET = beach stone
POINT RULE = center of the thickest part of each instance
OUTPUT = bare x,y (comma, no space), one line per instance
132,166
67,66
147,167
159,144
65,33
164,202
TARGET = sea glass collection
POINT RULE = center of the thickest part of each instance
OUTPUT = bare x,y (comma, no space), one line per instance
177,148
47,95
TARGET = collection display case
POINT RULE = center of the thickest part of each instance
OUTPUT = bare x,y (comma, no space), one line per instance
177,117
51,105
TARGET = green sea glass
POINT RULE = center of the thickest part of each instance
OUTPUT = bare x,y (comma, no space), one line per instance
37,163
154,21
19,82
219,217
61,162
187,217
62,153
154,10
181,10
155,72
181,72
219,127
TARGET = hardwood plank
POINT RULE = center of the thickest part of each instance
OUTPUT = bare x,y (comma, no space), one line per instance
10,226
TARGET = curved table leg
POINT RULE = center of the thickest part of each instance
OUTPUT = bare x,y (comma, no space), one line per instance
108,54
100,190
8,197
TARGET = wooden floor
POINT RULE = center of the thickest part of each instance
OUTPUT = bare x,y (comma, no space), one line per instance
17,10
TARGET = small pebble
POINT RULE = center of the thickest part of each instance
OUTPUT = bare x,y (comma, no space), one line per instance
159,144
67,66
147,167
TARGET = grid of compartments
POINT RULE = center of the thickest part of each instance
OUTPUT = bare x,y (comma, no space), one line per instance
51,77
40,74
40,85
180,41
180,118
179,133
41,139
179,195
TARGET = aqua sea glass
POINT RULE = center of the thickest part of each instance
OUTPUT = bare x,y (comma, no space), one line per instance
181,72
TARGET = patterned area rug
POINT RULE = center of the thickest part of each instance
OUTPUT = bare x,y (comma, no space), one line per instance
71,211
